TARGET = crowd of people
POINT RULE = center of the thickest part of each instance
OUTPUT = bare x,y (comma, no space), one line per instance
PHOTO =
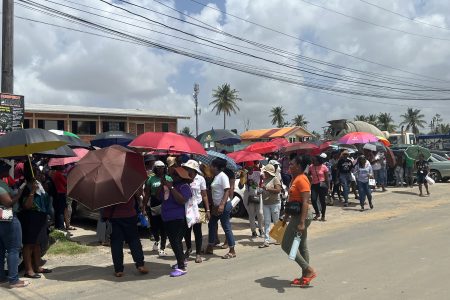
180,194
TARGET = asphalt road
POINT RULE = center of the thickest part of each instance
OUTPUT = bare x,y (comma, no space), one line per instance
400,250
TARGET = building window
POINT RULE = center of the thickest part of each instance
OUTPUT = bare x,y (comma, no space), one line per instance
292,140
26,123
51,124
113,126
140,129
165,127
84,127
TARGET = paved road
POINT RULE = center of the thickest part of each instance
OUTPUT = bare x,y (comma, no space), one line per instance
400,250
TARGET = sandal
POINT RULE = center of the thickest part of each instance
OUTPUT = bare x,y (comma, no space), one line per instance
307,280
198,259
297,282
143,270
35,276
316,217
119,274
44,271
229,255
70,228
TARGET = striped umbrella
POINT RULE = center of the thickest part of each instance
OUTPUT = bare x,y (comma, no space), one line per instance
62,132
211,155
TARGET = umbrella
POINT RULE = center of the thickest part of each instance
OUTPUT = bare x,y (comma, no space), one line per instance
390,158
167,141
211,155
61,152
358,138
413,152
110,138
262,147
79,154
28,141
300,147
106,177
62,132
385,141
280,142
244,156
74,142
221,136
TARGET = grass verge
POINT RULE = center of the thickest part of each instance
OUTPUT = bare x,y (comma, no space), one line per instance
62,245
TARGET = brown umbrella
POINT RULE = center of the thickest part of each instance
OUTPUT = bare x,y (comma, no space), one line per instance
106,177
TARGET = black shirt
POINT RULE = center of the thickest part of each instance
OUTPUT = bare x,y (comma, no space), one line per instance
344,165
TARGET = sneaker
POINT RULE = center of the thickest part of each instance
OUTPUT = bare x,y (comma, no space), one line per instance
346,204
254,234
162,253
178,273
261,233
156,246
175,266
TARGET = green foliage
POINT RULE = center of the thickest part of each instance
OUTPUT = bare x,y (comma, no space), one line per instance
386,122
413,119
277,114
300,120
64,246
225,101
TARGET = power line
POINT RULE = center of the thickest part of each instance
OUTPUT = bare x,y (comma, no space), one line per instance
320,46
404,16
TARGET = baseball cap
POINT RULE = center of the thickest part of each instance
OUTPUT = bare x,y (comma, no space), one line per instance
159,164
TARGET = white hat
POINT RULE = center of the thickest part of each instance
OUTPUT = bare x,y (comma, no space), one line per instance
159,164
323,155
192,164
274,162
269,168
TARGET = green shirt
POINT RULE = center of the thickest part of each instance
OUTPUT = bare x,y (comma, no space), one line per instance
154,182
4,188
409,162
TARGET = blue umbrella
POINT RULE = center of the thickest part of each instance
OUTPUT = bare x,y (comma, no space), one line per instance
110,138
222,136
211,155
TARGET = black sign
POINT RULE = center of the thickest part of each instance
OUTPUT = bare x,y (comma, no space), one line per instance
12,112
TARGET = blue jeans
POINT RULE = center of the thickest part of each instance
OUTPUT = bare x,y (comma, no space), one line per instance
345,179
10,241
364,190
271,212
226,226
380,176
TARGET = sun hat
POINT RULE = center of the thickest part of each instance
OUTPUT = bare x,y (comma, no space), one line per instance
182,173
270,169
323,155
192,164
274,162
159,164
171,160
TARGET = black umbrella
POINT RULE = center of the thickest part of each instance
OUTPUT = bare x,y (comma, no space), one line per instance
73,142
110,138
61,152
221,136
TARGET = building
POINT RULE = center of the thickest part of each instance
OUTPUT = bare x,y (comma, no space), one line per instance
292,134
86,122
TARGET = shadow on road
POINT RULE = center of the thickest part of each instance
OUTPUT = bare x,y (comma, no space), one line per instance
405,193
86,273
274,283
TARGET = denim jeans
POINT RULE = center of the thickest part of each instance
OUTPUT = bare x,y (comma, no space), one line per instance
399,176
226,225
345,179
364,190
125,230
10,241
271,212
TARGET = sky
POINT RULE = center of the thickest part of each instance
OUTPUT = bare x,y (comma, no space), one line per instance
60,66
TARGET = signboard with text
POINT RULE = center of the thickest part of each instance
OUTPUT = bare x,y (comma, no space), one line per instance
12,112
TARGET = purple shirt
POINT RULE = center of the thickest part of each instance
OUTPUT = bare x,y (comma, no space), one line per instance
171,209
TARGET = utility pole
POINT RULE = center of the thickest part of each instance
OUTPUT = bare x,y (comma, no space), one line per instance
8,47
196,110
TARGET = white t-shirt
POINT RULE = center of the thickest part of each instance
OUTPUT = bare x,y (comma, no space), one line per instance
197,186
219,184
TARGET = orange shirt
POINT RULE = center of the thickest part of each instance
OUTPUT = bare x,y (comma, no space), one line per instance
299,185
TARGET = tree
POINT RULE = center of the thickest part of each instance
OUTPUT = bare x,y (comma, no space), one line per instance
225,101
277,114
386,122
186,131
372,119
360,118
300,120
413,119
316,134
443,129
436,123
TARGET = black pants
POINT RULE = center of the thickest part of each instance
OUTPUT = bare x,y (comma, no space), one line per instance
125,230
158,230
59,205
198,238
175,232
319,194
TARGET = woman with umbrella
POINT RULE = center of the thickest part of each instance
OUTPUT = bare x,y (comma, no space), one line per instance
423,168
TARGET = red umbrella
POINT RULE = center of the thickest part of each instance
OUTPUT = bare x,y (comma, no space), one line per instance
300,147
244,156
167,141
326,145
280,142
106,177
262,147
358,138
80,152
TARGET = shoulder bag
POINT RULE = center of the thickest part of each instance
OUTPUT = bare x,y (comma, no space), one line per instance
6,214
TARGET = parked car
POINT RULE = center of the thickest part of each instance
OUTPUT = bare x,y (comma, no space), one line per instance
439,168
444,154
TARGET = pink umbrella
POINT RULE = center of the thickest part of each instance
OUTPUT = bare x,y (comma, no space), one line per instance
245,156
357,138
262,147
80,152
300,147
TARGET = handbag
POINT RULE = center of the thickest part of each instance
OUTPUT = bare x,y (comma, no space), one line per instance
6,214
293,208
253,196
156,210
372,182
430,180
277,231
202,215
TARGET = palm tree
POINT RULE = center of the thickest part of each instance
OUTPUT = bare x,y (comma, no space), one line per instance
386,122
443,129
300,120
413,119
360,118
316,134
277,114
372,119
186,131
225,101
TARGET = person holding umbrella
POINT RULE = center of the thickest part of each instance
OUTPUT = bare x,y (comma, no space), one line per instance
423,168
123,218
174,196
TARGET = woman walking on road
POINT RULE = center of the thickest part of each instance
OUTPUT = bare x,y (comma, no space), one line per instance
320,185
300,219
363,172
423,168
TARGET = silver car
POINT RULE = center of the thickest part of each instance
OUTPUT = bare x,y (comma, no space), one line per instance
439,168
